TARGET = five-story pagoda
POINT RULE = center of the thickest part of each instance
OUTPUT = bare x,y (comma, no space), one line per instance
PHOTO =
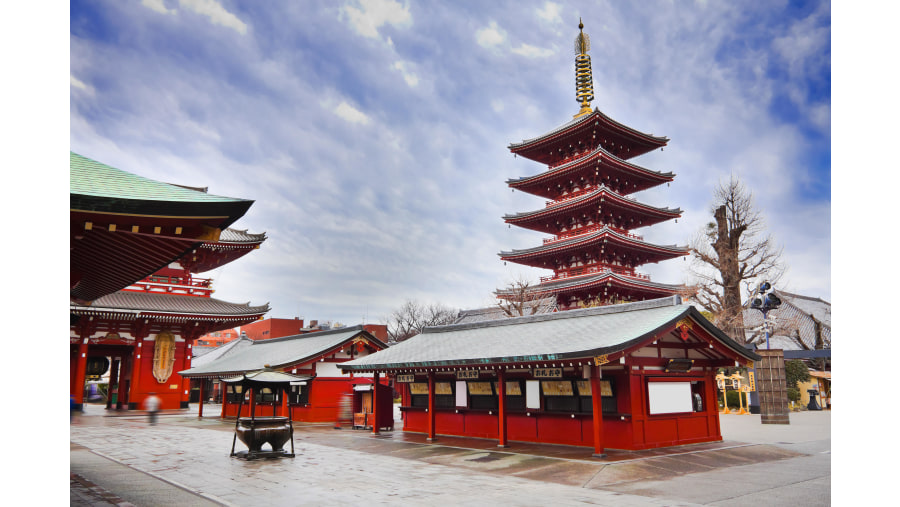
590,212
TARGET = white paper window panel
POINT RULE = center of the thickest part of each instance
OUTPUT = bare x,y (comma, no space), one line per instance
461,394
324,369
533,394
669,397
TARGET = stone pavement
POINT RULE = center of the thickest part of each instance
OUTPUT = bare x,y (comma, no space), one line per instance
120,459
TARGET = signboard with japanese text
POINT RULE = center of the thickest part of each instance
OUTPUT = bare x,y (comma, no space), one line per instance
466,374
547,372
406,378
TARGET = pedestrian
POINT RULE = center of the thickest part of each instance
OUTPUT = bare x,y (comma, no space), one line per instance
344,410
151,405
71,407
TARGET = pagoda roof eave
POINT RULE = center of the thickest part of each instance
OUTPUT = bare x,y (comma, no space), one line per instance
231,236
134,224
585,121
600,154
577,241
593,280
601,191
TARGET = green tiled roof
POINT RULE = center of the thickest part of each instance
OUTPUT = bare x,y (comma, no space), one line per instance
91,178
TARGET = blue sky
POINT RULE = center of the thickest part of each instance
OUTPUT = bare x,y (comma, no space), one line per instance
373,134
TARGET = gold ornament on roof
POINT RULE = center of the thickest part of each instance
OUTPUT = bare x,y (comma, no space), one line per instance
584,81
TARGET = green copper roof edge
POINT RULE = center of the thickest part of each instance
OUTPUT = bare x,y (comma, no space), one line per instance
80,183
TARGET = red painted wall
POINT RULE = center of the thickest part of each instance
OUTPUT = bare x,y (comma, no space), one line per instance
631,429
272,328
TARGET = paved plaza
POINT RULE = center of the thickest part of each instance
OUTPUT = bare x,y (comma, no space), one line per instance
120,459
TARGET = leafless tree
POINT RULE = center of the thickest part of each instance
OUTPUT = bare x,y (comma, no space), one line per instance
732,251
520,298
409,320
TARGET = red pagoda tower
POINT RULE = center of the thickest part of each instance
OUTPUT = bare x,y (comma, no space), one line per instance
589,209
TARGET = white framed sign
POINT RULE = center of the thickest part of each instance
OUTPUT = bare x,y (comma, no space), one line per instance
669,397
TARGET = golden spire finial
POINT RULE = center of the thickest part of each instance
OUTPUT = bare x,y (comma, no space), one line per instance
584,81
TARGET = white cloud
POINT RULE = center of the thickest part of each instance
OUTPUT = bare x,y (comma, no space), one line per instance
158,6
351,114
217,14
491,36
405,69
550,13
76,83
529,51
373,14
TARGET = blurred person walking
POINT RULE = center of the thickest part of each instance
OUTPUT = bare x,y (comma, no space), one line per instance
151,405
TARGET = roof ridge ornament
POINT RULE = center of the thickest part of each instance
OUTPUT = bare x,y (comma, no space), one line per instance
584,81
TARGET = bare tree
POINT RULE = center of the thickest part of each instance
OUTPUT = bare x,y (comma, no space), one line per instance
520,298
732,251
409,320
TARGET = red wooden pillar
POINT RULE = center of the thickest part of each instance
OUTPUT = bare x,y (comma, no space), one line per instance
223,388
135,373
501,415
284,402
113,381
431,428
122,390
80,367
202,394
597,406
712,405
375,412
185,382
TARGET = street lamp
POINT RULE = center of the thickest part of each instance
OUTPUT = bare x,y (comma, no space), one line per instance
765,301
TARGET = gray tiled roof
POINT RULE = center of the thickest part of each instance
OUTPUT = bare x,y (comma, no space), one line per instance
240,236
794,328
548,337
200,360
171,303
249,355
544,305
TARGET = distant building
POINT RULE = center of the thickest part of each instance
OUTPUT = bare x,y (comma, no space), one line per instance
276,328
313,356
216,338
800,323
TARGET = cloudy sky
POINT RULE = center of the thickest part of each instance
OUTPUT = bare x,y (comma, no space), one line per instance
373,134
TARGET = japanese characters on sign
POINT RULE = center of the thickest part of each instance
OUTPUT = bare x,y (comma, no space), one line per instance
406,378
466,374
547,372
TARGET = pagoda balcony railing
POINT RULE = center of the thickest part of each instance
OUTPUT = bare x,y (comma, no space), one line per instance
570,196
590,270
160,284
178,280
588,229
